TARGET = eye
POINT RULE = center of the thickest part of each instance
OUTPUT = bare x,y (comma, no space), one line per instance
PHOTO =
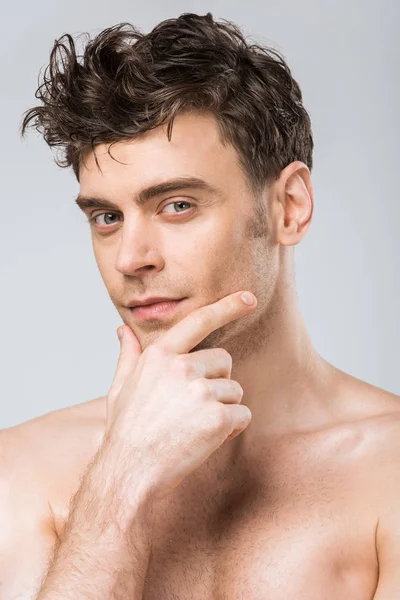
107,214
175,204
116,217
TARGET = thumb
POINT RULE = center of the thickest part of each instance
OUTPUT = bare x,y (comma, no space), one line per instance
130,351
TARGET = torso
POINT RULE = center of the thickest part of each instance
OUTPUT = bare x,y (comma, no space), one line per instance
299,529
298,523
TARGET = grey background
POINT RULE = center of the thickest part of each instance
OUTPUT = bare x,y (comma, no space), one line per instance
58,325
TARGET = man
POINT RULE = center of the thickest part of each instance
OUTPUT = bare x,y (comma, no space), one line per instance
228,458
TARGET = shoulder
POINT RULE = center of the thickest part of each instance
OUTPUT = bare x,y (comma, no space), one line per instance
36,454
364,440
383,490
56,439
371,412
49,453
40,463
383,424
379,427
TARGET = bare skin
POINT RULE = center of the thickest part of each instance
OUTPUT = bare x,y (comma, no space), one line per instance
299,517
303,503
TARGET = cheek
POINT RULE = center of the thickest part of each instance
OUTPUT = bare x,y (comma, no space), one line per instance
239,260
208,258
228,263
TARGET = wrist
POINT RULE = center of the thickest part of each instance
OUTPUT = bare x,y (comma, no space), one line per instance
124,479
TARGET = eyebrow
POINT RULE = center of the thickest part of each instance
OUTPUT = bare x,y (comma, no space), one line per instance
171,185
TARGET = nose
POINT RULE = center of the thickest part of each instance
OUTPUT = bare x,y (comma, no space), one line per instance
139,248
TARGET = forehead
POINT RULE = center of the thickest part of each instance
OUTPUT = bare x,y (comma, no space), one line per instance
195,149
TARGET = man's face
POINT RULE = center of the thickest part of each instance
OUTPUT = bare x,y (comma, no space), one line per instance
189,243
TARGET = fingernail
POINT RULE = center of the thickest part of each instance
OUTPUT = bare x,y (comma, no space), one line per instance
248,298
120,333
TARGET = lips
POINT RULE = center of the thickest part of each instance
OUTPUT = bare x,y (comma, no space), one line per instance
156,310
152,300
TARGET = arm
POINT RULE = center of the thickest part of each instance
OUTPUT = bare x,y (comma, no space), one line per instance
388,548
387,486
166,410
26,539
105,546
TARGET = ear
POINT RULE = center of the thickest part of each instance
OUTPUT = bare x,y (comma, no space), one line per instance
293,204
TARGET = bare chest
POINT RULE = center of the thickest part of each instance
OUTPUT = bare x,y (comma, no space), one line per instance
296,523
259,544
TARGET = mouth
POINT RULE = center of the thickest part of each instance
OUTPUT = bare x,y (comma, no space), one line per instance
157,310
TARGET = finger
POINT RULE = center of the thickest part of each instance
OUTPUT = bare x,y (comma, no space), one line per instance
240,418
130,351
210,363
226,391
193,328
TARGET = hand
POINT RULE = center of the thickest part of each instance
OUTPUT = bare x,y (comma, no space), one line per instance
172,409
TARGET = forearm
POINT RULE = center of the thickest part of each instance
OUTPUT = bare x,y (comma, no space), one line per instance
104,549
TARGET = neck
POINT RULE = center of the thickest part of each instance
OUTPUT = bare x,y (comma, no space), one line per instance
287,385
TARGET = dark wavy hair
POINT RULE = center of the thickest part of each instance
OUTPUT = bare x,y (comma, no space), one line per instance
126,83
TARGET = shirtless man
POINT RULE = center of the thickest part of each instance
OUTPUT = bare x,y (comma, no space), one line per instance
228,459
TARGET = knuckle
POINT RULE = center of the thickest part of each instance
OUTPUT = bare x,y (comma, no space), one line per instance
249,414
217,417
203,388
237,389
183,365
226,356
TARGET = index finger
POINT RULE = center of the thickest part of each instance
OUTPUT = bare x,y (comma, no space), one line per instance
193,328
